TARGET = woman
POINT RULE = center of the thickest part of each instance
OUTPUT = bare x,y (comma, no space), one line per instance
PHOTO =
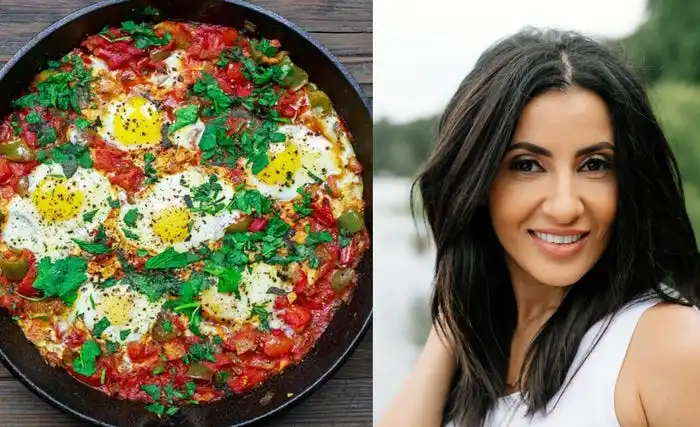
566,263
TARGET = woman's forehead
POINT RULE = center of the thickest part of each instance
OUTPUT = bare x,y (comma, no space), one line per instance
567,118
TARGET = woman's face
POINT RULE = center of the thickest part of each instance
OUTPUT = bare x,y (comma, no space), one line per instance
554,197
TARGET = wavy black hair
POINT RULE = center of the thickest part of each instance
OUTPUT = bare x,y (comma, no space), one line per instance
652,240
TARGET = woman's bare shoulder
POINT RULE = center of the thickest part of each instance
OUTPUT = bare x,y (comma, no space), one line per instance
664,355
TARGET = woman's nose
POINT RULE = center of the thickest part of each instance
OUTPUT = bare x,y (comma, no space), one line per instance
563,203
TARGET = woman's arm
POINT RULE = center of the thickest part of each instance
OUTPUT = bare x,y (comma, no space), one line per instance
666,357
421,401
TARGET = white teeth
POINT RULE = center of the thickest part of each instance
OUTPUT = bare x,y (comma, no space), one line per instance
553,238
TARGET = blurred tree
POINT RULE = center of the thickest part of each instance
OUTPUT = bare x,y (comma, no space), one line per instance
400,149
667,45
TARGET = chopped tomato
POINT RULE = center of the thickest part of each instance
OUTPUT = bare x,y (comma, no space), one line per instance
108,158
139,352
281,301
301,281
6,131
244,341
257,224
74,339
323,212
126,174
296,317
5,171
276,346
209,41
245,381
288,103
25,286
130,180
348,253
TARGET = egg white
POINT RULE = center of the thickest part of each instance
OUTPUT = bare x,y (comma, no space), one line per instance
256,280
189,136
27,229
173,67
316,155
124,308
170,193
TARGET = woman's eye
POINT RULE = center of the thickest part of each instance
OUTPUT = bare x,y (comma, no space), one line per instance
596,164
525,165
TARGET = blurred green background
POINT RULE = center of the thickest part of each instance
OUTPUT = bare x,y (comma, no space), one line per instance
665,49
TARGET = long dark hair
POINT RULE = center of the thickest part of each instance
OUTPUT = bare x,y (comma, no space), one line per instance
652,240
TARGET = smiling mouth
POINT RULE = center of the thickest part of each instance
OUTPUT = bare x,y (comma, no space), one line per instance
558,239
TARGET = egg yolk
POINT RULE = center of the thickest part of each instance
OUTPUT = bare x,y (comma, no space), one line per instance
282,166
172,225
137,122
116,308
56,199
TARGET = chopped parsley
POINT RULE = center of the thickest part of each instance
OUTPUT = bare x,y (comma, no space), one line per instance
303,207
200,352
101,326
61,279
187,303
69,156
170,258
208,87
156,408
82,123
343,241
149,170
263,316
89,216
63,89
112,347
84,364
33,117
144,36
229,277
92,247
152,390
205,198
114,203
255,143
184,117
131,217
249,201
130,234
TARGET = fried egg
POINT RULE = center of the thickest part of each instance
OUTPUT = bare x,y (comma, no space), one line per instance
189,136
256,281
173,70
168,215
301,159
53,213
131,123
129,313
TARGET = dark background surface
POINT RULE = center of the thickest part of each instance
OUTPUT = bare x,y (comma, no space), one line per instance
345,28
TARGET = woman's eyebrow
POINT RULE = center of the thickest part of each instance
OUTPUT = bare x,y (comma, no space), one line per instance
536,149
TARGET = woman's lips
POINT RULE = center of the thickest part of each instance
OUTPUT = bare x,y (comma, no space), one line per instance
559,250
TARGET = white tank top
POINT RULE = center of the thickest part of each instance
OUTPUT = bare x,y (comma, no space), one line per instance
589,399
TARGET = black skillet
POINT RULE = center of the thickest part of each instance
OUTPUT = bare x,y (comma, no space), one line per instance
350,322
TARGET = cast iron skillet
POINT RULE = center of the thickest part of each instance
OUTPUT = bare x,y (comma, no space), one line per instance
350,322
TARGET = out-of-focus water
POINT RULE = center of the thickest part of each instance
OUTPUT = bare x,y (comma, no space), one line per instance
402,284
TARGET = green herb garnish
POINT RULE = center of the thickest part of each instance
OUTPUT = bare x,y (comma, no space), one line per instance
84,364
184,117
62,278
